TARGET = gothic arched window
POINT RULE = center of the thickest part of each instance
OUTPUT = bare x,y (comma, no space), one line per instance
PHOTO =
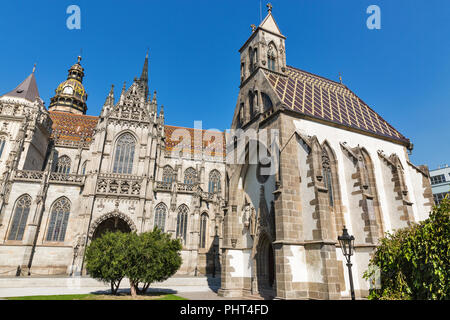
190,176
168,174
59,219
251,103
123,160
2,145
327,177
253,59
83,168
63,165
203,229
20,218
272,57
267,103
160,216
182,220
214,182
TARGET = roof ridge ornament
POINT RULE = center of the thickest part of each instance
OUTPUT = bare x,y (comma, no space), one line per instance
269,7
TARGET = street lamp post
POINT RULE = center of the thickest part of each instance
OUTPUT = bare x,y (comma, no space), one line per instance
347,245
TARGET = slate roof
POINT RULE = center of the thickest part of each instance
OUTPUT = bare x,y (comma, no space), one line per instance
27,89
328,100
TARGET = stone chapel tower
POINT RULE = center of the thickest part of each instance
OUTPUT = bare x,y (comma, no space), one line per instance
336,162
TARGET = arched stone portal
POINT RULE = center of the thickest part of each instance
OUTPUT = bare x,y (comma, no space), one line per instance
113,221
265,265
111,225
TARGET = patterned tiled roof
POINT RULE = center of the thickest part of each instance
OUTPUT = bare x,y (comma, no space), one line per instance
173,141
72,127
327,100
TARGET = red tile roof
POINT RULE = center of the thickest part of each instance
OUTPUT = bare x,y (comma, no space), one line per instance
72,127
208,137
327,100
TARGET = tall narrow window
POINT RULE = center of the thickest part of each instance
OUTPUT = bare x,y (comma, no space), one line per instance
123,160
326,172
271,57
168,174
19,221
182,220
251,101
190,176
160,216
267,103
63,165
2,145
59,219
203,229
214,182
83,168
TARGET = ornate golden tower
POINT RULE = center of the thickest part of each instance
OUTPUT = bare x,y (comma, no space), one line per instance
70,95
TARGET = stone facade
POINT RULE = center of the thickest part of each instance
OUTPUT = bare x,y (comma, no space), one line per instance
80,175
67,177
339,164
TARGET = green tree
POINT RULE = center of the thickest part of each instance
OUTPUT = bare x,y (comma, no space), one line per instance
106,258
151,257
414,262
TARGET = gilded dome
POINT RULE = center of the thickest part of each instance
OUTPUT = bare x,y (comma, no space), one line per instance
70,95
72,87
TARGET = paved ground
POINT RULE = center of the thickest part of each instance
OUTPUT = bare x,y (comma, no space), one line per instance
192,288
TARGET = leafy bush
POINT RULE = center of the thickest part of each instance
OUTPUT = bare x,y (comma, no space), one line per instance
105,258
145,258
414,262
152,257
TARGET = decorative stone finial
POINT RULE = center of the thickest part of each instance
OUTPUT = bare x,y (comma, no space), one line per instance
253,27
269,7
79,59
34,68
340,78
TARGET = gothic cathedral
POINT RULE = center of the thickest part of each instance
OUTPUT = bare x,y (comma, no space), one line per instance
67,177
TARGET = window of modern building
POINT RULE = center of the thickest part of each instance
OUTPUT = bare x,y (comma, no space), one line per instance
59,219
123,160
20,218
438,197
160,216
438,179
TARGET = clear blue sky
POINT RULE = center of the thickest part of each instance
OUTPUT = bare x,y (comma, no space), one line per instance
402,70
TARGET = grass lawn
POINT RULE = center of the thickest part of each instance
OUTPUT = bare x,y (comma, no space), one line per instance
122,296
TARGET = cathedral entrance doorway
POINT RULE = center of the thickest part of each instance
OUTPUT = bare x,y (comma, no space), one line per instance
112,224
265,268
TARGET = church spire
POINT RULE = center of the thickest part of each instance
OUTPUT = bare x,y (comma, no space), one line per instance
144,76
